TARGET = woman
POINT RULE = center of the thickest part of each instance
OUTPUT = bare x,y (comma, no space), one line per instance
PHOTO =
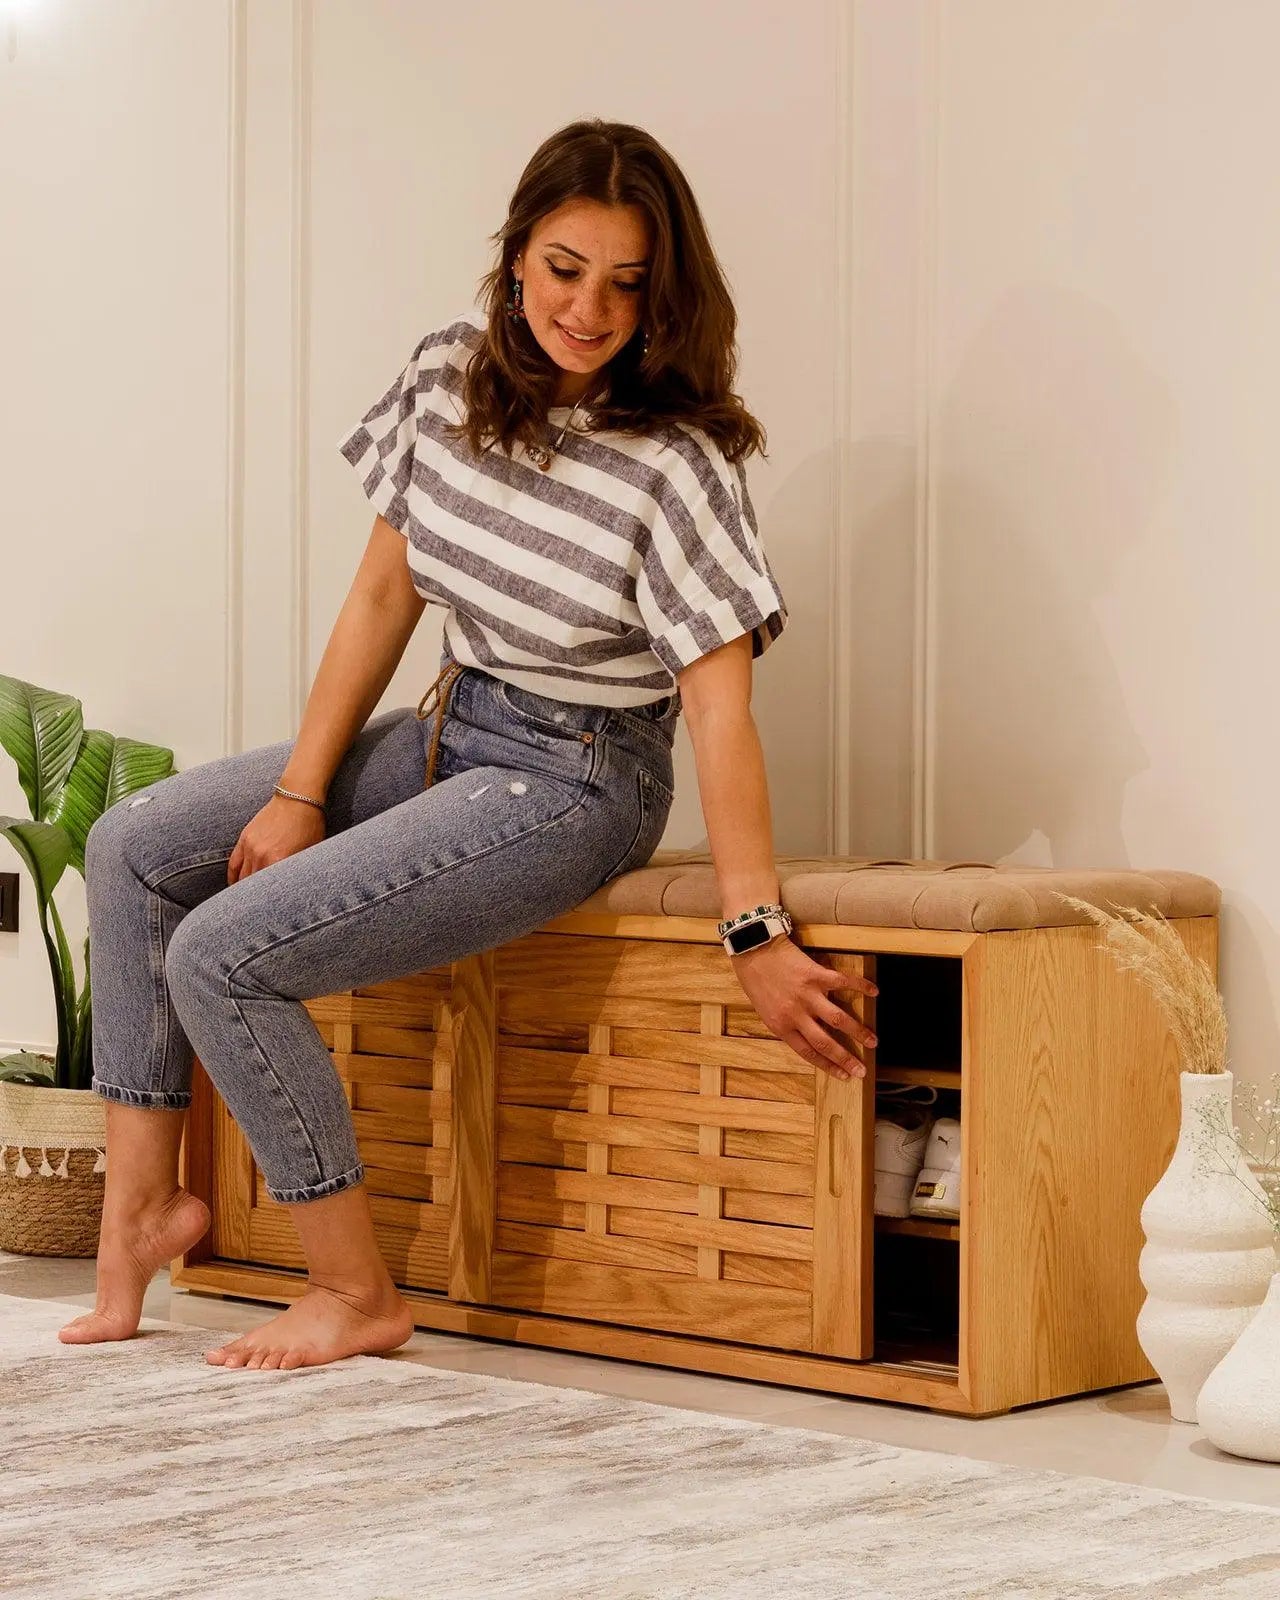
563,472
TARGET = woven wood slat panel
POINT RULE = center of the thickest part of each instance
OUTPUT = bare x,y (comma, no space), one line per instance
652,1166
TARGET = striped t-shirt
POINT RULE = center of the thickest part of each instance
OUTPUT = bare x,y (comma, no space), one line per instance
596,581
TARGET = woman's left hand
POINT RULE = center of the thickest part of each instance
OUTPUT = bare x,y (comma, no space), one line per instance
790,992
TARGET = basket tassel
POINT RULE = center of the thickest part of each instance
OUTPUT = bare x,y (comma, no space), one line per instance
23,1168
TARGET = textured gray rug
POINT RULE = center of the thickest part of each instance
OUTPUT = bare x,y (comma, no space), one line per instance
138,1469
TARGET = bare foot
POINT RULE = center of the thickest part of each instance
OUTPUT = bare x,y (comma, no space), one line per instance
128,1259
322,1326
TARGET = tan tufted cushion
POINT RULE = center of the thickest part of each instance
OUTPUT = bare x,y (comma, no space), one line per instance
970,896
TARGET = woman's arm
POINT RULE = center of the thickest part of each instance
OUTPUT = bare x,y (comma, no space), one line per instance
366,644
787,988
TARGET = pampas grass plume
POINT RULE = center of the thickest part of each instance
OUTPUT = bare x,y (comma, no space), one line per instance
1182,985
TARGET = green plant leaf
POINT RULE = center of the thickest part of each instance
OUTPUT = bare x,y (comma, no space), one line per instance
80,1075
106,769
70,992
45,849
27,1067
40,729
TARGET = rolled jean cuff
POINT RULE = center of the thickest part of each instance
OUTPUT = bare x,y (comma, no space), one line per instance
173,1099
317,1191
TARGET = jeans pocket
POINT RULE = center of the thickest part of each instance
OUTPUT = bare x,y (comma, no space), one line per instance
653,805
537,714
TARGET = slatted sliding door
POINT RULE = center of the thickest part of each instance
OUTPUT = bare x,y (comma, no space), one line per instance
658,1159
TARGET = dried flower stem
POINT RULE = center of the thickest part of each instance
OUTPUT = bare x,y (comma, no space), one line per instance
1188,997
1265,1118
1182,985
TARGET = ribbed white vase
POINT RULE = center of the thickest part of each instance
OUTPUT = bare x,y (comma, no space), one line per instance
1209,1257
1239,1403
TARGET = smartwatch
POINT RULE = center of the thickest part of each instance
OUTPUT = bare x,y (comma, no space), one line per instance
754,928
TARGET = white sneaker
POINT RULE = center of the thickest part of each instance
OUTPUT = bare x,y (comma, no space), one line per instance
937,1190
901,1140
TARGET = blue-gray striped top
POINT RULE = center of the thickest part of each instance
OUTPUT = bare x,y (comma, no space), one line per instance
596,581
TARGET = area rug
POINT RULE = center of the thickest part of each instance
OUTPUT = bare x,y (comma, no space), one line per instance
137,1469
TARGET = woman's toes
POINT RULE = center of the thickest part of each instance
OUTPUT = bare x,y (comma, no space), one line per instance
272,1363
256,1359
94,1327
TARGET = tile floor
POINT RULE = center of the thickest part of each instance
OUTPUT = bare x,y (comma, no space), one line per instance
1125,1434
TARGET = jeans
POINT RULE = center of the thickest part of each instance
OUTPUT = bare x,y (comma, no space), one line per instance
533,805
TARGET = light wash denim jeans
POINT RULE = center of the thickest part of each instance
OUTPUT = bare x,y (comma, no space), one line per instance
535,803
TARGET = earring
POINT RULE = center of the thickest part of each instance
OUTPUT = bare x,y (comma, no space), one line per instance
644,344
515,305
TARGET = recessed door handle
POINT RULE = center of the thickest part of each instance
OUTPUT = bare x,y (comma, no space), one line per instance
835,1155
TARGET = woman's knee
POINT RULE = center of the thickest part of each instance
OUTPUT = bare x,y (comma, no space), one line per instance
200,952
117,833
225,948
189,820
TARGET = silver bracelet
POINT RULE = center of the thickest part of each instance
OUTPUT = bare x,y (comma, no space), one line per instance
773,907
306,798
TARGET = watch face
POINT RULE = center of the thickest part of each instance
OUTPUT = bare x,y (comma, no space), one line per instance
748,937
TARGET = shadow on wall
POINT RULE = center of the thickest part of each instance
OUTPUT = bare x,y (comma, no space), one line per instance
1056,444
1248,955
880,616
792,688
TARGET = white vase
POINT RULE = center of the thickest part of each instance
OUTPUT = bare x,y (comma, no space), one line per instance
1239,1403
1209,1257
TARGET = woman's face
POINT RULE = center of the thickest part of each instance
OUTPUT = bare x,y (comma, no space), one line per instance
583,272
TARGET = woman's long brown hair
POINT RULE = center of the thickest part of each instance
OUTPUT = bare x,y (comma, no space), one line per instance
688,373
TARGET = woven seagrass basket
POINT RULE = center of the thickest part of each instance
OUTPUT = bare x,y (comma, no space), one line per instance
53,1164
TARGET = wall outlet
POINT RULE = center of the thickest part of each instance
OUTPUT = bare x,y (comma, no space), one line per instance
8,902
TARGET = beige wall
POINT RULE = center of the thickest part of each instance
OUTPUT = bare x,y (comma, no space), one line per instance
113,384
1103,386
1003,277
233,223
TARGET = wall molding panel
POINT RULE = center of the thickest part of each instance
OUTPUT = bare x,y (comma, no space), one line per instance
270,369
233,632
842,753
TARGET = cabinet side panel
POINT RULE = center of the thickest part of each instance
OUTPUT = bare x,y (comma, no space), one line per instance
200,1173
1070,1115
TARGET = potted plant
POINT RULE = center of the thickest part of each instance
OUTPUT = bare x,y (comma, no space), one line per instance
70,775
1208,1257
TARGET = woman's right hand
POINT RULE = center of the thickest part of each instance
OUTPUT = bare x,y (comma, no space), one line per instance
280,829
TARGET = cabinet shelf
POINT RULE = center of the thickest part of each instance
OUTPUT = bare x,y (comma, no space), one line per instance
932,1077
920,1227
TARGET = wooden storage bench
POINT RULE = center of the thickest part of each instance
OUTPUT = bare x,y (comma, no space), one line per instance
587,1139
